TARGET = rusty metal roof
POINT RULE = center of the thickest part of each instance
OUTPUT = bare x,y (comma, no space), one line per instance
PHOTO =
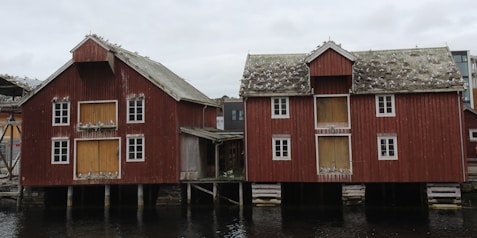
382,71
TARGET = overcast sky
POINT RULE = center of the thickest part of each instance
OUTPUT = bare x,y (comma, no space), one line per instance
207,41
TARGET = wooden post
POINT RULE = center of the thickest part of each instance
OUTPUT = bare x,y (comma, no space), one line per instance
189,193
214,193
240,194
107,195
140,195
69,201
217,171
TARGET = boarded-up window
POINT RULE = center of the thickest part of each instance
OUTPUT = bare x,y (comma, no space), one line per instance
334,154
332,112
97,115
97,158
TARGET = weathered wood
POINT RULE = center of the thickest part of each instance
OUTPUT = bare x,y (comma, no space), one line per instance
441,194
353,194
266,194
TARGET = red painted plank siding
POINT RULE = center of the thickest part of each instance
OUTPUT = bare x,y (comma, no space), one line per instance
90,51
426,124
97,82
428,135
330,63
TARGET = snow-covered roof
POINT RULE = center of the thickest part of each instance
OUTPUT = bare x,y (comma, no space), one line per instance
384,71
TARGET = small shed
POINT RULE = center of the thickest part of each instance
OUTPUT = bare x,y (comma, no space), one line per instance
208,153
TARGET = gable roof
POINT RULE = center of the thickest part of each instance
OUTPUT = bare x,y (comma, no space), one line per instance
384,71
169,82
326,46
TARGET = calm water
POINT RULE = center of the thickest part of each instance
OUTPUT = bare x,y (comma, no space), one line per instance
229,221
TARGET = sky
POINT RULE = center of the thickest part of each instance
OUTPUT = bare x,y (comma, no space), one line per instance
206,42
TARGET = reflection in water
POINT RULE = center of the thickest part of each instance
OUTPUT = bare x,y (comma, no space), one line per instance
231,221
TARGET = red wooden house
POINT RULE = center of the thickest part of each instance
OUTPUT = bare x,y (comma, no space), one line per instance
392,116
109,116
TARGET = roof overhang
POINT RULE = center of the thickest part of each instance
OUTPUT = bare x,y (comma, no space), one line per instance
212,134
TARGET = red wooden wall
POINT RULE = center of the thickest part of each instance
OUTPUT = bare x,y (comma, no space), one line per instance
470,123
428,135
163,117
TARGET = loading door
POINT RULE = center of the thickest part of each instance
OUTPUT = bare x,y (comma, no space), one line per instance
97,159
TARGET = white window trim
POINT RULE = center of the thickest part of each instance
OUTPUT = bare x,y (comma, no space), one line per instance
318,154
393,106
53,110
98,101
136,136
472,138
281,138
136,98
60,139
329,96
287,115
387,137
96,139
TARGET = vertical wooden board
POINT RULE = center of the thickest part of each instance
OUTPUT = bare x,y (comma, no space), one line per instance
109,156
324,110
340,109
342,152
95,112
326,152
87,157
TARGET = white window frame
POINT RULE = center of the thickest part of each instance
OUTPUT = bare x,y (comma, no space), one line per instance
395,144
61,116
393,105
471,137
53,154
281,139
280,115
329,96
135,99
135,137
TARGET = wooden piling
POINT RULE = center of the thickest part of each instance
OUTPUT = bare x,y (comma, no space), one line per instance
140,195
107,195
69,199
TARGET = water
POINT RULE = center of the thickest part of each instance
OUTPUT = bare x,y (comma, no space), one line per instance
230,221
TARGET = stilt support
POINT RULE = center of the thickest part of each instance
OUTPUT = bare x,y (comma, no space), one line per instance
107,195
189,193
353,194
266,194
240,194
444,195
69,201
140,195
